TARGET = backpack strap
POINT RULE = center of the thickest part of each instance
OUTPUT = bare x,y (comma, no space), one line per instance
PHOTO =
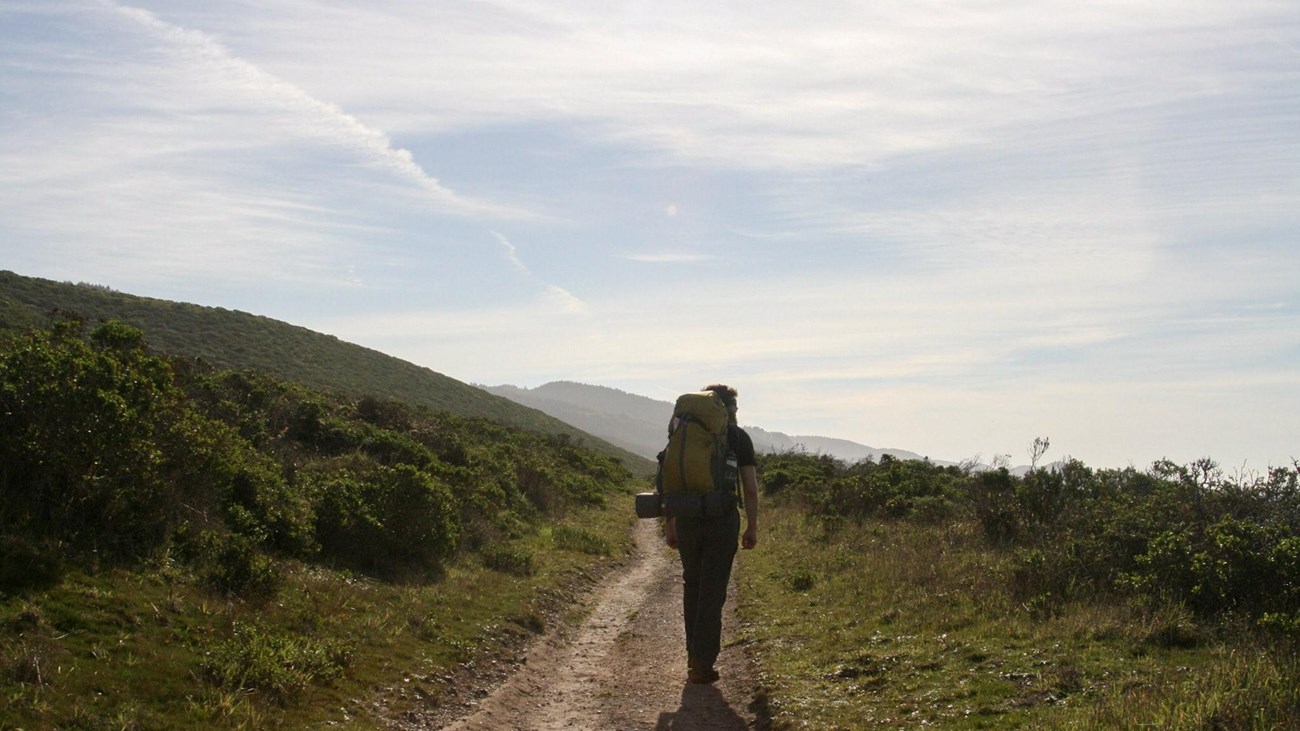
732,453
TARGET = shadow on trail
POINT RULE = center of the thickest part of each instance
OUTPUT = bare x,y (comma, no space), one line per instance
702,709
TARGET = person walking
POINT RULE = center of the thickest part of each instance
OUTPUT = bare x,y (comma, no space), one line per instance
707,547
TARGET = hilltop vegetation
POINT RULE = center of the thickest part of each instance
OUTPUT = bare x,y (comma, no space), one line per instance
233,340
903,593
220,524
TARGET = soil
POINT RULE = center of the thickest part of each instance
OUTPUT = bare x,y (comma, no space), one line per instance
623,668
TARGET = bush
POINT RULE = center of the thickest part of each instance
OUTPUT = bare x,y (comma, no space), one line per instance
233,564
388,521
83,424
110,451
28,564
797,471
1171,535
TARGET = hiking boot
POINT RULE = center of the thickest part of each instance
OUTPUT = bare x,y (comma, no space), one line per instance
700,677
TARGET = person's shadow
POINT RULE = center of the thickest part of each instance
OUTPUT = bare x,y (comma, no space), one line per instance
703,709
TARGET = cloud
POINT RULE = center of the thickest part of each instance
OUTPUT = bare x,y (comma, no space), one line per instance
203,51
566,301
512,253
942,225
861,85
561,299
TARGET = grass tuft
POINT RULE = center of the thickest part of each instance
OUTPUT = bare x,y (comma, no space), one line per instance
257,658
509,558
581,540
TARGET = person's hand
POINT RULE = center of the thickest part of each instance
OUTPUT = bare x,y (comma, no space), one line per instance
670,533
750,538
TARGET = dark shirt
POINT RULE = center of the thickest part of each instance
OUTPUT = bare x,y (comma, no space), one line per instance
742,445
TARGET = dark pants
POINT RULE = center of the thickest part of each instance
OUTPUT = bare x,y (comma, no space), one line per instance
707,547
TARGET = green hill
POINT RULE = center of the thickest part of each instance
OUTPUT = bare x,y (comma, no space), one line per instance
229,339
260,554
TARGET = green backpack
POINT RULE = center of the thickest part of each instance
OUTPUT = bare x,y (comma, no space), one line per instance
696,458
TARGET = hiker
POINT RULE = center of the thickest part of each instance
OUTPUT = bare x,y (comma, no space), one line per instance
707,546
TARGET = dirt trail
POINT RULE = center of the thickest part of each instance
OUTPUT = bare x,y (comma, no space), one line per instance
624,667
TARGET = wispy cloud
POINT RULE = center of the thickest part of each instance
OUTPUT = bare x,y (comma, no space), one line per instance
512,253
566,300
560,298
944,227
327,119
858,86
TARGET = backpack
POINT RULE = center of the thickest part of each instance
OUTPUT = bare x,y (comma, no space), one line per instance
698,457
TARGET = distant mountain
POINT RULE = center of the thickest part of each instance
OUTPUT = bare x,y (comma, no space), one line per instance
635,423
838,448
238,341
639,424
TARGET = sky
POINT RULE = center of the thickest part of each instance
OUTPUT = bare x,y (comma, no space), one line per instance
948,227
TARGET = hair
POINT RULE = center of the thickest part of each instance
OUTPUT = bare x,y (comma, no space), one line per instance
726,393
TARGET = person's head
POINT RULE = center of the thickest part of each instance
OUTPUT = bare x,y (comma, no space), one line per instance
728,396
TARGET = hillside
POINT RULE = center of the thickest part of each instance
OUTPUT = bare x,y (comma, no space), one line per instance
637,423
183,547
230,339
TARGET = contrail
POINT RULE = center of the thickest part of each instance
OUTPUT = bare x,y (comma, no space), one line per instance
556,295
368,141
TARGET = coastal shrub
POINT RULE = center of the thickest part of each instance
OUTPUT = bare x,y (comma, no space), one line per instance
83,419
388,520
1182,535
233,564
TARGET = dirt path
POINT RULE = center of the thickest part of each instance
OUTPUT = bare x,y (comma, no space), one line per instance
624,668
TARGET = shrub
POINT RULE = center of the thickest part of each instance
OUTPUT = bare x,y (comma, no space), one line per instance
418,512
111,450
993,499
233,564
796,471
26,563
223,480
387,521
81,456
1171,535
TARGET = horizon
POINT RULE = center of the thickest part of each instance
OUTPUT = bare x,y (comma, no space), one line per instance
947,229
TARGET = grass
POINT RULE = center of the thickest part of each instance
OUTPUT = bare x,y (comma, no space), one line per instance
582,540
908,624
154,649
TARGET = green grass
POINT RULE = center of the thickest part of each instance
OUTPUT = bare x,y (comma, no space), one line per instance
583,540
154,649
908,624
